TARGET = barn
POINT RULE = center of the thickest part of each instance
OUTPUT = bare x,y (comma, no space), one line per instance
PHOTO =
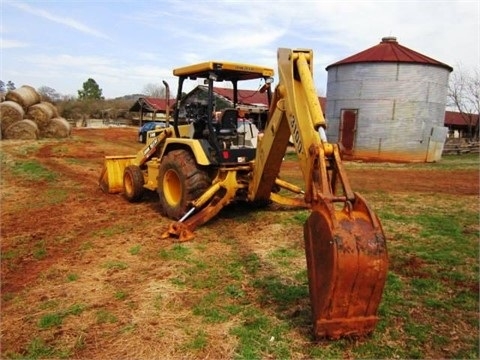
388,103
150,108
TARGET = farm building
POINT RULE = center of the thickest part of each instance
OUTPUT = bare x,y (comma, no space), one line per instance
150,108
461,125
388,103
254,103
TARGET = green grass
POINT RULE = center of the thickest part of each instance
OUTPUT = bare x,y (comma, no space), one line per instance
121,295
55,319
104,316
72,277
56,196
115,265
177,252
39,250
135,250
34,171
259,336
199,341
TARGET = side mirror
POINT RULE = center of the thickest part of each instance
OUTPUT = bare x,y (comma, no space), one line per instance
265,86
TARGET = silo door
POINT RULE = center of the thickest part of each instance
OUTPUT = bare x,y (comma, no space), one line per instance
348,126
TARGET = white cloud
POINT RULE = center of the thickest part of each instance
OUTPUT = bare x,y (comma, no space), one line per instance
149,39
69,22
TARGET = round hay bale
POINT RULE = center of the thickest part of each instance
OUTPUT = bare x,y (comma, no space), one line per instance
10,112
57,128
41,113
25,96
22,130
53,107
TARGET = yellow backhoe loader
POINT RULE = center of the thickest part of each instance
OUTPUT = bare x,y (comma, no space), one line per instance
210,161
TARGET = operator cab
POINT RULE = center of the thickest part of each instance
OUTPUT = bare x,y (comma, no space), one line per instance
229,135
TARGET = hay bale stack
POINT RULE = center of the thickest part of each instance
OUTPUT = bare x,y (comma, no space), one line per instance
53,107
40,113
57,128
25,96
10,112
22,130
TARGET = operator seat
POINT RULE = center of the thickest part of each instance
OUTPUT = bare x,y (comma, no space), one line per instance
228,123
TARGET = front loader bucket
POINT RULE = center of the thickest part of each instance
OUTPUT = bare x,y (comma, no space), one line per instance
111,178
347,267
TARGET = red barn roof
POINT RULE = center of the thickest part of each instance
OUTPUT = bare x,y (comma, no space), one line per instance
246,97
150,104
456,118
389,50
253,97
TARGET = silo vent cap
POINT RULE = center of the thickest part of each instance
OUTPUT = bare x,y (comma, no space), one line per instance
389,39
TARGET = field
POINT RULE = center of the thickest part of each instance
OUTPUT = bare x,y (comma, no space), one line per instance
85,275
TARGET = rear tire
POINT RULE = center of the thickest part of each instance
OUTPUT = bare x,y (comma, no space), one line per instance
180,181
133,183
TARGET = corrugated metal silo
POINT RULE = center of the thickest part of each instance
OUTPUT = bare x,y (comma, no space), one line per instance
388,103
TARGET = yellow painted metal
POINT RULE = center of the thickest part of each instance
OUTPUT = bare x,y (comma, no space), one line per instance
215,198
287,201
185,130
193,144
152,174
288,186
111,178
305,70
245,71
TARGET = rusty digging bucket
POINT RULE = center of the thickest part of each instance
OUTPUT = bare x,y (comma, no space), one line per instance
347,268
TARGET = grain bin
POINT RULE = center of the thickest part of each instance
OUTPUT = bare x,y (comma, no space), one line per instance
388,103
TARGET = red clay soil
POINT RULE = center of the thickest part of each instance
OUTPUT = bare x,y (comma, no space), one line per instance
66,220
88,209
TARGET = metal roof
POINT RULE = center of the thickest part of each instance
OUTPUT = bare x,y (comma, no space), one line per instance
253,97
456,118
228,70
389,50
150,104
247,97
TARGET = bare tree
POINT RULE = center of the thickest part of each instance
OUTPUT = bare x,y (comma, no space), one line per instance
49,94
154,90
464,95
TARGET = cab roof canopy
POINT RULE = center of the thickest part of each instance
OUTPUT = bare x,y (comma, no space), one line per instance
224,70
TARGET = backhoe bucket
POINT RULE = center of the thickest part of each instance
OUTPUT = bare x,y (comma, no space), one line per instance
111,178
347,268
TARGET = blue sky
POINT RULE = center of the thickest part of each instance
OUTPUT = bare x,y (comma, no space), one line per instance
126,45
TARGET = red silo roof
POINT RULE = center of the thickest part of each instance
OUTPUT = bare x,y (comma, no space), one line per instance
389,50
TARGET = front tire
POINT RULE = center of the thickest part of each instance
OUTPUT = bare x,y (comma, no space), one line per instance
133,183
180,181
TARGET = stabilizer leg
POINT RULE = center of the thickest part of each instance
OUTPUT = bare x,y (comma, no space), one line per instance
219,195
